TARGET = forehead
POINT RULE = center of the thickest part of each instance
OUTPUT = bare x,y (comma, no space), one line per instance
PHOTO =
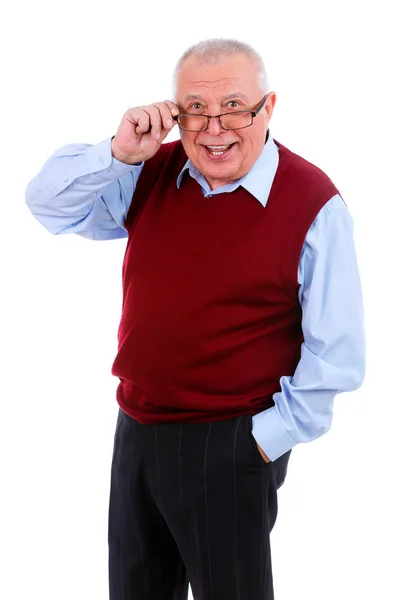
234,75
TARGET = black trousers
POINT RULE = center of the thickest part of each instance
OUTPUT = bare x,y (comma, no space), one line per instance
191,502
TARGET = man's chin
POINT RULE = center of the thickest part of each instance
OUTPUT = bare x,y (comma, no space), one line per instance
223,167
219,177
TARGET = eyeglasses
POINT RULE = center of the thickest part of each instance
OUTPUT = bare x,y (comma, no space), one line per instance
234,120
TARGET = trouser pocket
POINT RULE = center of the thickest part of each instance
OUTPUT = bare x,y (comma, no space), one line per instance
256,454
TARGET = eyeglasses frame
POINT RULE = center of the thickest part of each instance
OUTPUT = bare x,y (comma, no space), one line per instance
254,112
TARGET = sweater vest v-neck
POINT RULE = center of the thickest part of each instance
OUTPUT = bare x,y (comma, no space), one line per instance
211,318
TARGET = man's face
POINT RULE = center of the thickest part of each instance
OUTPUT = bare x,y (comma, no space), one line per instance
214,89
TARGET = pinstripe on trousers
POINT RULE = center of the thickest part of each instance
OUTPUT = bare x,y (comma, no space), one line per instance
191,503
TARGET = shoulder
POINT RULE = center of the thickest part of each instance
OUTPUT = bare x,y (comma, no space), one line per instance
164,165
168,151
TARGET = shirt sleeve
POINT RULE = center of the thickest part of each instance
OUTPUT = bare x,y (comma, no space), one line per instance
333,352
83,189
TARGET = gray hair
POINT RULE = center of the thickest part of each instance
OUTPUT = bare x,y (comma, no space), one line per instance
213,50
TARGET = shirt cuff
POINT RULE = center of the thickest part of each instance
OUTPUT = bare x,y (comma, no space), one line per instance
100,160
270,433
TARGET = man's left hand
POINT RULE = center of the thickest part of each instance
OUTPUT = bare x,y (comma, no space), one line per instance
265,457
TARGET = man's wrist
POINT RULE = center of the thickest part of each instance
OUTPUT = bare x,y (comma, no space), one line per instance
115,154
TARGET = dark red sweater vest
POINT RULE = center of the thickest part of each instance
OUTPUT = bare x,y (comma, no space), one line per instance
211,318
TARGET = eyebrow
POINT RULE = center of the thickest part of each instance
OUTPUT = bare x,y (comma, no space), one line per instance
227,97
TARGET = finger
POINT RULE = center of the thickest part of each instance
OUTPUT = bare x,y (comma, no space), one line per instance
174,109
140,119
155,120
166,116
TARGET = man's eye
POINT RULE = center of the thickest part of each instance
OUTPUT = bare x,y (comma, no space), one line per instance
196,106
233,104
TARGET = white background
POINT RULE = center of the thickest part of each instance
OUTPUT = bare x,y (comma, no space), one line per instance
69,72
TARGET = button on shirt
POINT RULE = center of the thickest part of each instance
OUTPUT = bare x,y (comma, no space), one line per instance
82,189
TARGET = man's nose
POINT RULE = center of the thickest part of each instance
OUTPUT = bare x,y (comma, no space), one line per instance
214,126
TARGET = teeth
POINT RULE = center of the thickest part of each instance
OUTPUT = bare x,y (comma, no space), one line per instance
218,148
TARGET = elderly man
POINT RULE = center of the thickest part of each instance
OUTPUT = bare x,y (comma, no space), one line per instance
242,319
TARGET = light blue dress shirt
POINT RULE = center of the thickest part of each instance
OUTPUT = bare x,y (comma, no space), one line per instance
82,189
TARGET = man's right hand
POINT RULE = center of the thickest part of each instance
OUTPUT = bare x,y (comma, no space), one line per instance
142,131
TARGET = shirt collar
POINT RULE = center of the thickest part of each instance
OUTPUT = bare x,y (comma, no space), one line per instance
257,181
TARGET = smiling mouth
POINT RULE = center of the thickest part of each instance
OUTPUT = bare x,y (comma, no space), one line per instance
218,150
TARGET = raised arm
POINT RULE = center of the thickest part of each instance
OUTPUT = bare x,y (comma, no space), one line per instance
87,189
